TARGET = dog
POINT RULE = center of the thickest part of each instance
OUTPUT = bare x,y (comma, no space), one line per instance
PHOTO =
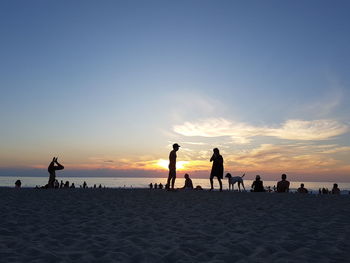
235,179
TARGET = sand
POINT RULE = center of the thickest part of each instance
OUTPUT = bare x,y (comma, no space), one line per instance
111,225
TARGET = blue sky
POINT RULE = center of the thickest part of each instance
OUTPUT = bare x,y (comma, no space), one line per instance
120,81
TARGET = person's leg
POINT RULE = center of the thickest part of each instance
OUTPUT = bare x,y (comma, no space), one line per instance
51,181
168,181
173,180
219,179
211,183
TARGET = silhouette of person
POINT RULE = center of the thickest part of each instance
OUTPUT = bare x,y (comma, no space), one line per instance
66,185
56,184
72,186
52,171
172,166
155,186
283,185
18,184
302,189
160,186
217,169
335,190
151,186
257,185
84,184
188,182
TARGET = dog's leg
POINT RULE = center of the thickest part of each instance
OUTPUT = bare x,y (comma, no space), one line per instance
243,186
239,187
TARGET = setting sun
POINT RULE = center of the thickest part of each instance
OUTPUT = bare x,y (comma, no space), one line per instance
164,164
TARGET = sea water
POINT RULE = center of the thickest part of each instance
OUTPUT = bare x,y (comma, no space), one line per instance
143,182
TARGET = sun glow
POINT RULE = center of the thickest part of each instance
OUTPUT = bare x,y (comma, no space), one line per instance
179,165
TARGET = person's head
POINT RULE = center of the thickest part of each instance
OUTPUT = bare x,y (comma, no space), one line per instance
186,176
216,151
176,146
257,178
335,185
302,185
284,176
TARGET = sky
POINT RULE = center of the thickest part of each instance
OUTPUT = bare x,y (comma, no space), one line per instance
109,86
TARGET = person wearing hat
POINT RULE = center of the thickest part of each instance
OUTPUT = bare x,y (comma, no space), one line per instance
217,169
172,166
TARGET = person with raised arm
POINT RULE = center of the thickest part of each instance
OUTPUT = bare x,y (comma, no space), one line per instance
52,171
217,169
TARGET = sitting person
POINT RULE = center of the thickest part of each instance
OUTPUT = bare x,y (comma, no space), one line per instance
335,190
302,189
257,185
188,182
283,185
18,184
160,186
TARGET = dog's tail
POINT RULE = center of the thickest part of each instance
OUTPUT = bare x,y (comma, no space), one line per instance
243,175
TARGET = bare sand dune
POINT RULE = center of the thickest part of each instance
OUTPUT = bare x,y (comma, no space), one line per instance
110,225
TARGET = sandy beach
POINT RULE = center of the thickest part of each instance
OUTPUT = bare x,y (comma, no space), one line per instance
114,225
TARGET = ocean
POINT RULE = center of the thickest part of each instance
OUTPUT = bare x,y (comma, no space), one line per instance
143,182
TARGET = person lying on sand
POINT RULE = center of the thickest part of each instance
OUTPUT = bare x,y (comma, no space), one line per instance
302,189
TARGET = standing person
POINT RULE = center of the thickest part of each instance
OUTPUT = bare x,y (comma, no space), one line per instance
52,171
217,169
172,166
283,185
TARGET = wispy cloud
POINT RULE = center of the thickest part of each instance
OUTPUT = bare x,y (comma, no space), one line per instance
242,133
296,157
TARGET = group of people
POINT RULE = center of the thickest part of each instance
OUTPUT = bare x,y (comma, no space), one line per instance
282,186
217,171
335,190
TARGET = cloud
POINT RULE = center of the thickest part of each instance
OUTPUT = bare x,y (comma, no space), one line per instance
299,157
242,133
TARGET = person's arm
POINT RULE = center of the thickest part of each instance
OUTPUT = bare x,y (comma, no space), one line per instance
212,158
52,164
59,166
